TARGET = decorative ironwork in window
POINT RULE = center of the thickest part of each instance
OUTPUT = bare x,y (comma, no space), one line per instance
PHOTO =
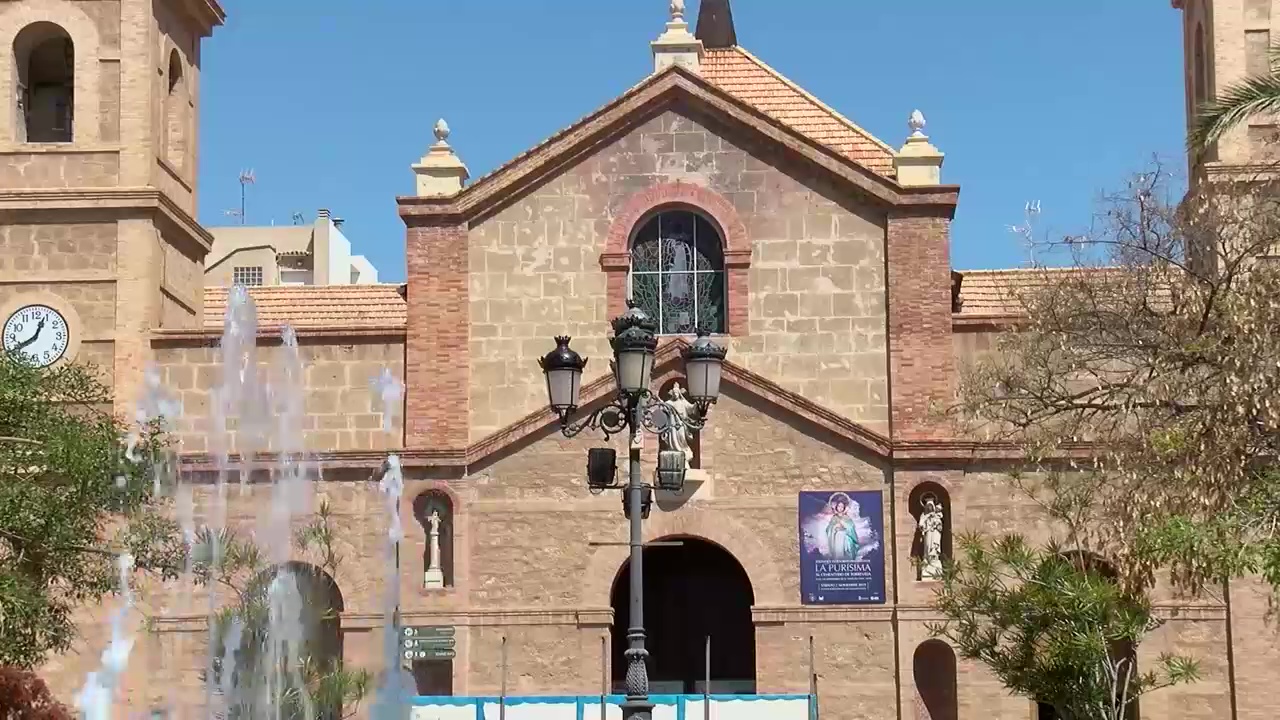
247,276
677,273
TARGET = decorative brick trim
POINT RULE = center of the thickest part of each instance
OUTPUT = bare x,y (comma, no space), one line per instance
921,358
616,257
438,329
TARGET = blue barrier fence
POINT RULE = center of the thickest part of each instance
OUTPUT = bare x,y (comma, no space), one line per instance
609,707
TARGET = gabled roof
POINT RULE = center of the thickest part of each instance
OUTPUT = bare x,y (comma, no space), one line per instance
656,93
1001,292
307,306
748,78
1006,293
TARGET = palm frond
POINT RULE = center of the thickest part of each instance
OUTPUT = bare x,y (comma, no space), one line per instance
1236,104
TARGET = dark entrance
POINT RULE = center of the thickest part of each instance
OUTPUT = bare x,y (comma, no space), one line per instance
692,591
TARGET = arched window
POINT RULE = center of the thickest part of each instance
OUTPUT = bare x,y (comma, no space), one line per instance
933,668
677,272
175,111
434,511
45,59
918,504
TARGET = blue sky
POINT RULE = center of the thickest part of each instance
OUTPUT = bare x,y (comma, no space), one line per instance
331,102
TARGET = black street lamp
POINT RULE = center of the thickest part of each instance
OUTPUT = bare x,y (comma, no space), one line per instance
634,408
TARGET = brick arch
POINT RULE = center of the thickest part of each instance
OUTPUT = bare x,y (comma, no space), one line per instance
87,44
416,535
616,257
414,488
738,540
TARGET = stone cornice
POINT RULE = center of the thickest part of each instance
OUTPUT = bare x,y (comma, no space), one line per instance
602,617
106,199
358,334
655,94
208,14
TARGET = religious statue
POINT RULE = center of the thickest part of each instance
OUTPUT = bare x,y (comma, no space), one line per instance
434,577
842,533
930,524
678,435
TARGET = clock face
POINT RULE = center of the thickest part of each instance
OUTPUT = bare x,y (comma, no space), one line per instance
37,332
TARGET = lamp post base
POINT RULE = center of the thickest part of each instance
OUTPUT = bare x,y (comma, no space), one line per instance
637,710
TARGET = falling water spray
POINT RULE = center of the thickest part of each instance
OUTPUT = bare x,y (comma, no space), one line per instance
389,701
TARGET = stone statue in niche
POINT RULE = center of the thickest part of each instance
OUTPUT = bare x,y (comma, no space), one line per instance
931,523
434,577
678,435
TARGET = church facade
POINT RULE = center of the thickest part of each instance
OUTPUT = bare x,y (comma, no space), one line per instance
716,194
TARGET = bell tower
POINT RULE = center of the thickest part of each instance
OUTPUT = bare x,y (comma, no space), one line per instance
1225,42
98,165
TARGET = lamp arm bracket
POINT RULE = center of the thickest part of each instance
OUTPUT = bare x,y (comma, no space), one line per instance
614,418
610,419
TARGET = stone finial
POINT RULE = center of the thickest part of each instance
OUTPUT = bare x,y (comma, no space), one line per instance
676,45
915,123
440,173
918,162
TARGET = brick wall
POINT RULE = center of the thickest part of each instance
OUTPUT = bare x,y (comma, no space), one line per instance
438,365
816,299
920,337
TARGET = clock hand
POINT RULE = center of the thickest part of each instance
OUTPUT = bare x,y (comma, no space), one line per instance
34,336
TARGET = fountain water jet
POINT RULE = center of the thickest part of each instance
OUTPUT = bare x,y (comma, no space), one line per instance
254,413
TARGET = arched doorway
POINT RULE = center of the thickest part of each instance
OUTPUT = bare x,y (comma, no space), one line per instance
693,590
933,667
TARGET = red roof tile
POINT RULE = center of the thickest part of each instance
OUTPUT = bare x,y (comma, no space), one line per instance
315,305
748,78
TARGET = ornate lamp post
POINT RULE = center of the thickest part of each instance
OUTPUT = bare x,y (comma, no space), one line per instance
634,408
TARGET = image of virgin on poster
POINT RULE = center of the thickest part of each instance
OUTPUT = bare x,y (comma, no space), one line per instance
841,548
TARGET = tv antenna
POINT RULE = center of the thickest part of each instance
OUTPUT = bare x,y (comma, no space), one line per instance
247,178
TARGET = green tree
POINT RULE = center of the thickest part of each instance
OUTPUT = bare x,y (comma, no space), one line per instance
1143,385
1141,389
264,677
76,489
1051,625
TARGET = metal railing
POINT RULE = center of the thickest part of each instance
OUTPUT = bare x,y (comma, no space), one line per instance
606,705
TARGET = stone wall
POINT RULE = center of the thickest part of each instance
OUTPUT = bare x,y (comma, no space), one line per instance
526,568
816,286
28,248
340,410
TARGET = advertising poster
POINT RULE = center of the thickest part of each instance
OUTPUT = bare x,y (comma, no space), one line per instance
842,548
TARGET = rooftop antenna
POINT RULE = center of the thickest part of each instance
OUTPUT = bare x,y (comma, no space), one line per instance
298,218
247,178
